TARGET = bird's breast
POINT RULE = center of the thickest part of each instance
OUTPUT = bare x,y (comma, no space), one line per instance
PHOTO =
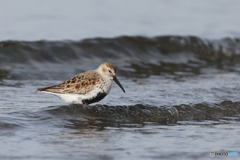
106,85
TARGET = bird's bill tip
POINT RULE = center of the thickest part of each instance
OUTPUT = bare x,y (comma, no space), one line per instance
119,84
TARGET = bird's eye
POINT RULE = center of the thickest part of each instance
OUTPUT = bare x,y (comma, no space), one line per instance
109,71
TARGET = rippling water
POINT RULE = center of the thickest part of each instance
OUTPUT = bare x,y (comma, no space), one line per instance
182,92
199,78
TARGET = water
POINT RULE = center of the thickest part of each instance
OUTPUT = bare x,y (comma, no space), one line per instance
204,88
54,20
191,79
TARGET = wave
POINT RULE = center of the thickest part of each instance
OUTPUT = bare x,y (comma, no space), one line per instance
140,48
208,111
148,113
87,116
139,55
132,113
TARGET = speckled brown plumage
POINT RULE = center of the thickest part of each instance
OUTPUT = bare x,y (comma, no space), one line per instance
79,84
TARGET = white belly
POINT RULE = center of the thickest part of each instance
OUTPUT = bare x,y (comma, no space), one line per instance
77,98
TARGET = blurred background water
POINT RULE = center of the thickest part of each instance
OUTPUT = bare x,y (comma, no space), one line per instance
74,20
181,54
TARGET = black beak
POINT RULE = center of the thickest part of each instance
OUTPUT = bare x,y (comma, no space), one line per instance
116,80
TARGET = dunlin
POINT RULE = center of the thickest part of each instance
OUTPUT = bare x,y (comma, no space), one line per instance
87,87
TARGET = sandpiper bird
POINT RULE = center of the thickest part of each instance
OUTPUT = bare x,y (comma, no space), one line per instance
87,87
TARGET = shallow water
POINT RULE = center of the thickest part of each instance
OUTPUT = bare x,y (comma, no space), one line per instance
197,77
41,126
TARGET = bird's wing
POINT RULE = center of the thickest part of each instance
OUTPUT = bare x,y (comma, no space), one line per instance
79,84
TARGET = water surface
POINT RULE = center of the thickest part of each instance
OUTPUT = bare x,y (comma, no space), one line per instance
198,77
78,19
